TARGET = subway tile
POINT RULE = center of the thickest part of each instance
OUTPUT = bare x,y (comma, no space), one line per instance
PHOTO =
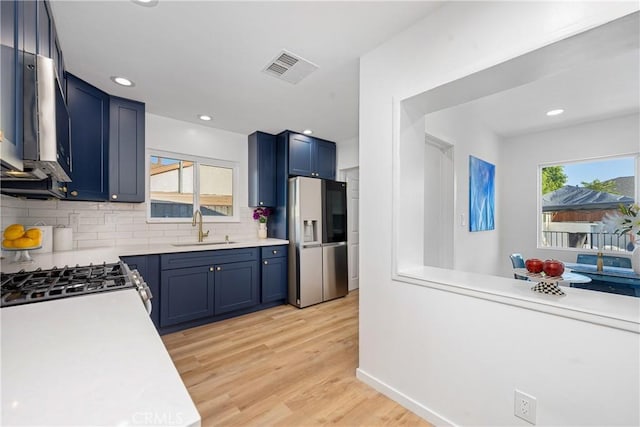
52,213
100,228
147,234
116,235
89,220
85,236
76,205
129,242
131,227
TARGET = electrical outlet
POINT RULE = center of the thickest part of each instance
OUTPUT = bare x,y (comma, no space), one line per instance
525,407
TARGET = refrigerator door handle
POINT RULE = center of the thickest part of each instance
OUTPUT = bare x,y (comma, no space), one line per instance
329,245
314,245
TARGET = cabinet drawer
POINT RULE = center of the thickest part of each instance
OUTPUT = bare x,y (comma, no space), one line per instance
274,251
194,259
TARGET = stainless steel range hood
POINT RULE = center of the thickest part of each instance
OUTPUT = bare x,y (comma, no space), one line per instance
46,127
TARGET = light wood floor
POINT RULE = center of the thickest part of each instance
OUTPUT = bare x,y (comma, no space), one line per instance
283,366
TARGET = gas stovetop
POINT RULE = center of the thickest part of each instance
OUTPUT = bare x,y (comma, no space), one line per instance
41,285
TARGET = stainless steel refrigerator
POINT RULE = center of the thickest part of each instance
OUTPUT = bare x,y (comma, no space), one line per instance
317,240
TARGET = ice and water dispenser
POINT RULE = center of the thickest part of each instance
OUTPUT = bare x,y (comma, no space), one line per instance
310,232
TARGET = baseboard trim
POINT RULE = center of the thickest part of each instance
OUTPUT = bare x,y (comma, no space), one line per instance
404,400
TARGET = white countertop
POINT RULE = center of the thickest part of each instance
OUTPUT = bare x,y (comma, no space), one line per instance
112,254
617,311
89,360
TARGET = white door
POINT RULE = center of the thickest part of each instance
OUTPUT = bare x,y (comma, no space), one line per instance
353,221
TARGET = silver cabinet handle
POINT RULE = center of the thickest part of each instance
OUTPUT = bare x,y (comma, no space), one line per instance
210,268
275,252
266,262
261,203
114,196
218,268
74,193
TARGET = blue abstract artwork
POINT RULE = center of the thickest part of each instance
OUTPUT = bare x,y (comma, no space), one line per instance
481,195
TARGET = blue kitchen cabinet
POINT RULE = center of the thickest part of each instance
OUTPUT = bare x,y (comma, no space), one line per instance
326,163
236,286
44,29
29,25
274,273
186,294
11,22
149,268
89,113
301,155
262,169
312,157
126,150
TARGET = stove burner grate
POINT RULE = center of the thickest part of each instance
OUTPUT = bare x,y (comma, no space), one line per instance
41,285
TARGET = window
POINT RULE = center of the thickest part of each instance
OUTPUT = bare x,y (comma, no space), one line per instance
575,198
179,185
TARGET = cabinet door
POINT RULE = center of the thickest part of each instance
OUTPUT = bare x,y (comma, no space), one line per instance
326,159
236,286
29,26
187,294
274,279
302,156
89,113
262,169
44,30
10,85
149,268
126,150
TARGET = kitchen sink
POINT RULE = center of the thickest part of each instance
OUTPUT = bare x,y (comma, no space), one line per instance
202,243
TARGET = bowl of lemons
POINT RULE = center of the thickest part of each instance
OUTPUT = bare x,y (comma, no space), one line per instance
20,240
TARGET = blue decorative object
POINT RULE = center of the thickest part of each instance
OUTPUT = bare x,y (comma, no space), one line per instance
481,195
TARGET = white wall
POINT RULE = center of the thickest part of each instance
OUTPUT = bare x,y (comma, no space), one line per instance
115,224
457,358
346,154
520,158
478,251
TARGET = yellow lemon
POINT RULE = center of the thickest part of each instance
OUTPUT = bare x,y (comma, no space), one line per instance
13,232
34,233
24,242
7,243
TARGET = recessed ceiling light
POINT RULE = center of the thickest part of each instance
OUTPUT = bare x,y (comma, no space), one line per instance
122,81
204,117
146,3
307,131
555,112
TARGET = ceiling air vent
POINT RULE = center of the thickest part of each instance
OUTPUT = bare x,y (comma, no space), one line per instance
289,67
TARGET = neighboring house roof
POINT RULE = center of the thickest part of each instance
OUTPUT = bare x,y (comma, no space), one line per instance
576,198
625,185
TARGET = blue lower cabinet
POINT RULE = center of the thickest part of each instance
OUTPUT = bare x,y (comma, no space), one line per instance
274,279
186,294
236,286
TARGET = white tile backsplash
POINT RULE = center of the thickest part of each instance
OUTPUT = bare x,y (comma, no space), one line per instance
104,224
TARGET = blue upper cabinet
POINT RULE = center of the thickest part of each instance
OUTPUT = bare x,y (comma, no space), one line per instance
126,150
11,84
107,136
89,112
262,169
302,155
326,163
44,29
313,157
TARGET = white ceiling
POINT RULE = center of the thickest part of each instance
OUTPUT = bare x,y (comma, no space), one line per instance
597,90
189,58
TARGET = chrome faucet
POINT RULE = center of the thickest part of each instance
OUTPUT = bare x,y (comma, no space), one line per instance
201,234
